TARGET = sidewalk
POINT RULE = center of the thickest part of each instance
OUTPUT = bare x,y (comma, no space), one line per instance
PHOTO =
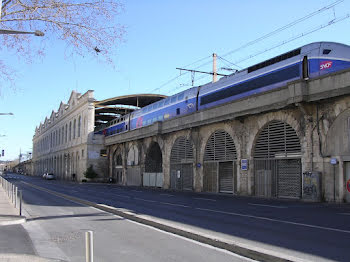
9,215
15,243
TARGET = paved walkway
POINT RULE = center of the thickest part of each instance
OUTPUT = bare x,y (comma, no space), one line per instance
15,243
9,215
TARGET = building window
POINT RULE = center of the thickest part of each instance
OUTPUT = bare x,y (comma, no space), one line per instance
70,131
62,135
79,126
82,153
66,133
74,128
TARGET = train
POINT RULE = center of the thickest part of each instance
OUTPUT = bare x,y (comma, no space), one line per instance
307,62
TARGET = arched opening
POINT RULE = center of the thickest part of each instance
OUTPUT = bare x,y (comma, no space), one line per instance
181,164
153,175
277,162
219,167
154,159
133,174
117,165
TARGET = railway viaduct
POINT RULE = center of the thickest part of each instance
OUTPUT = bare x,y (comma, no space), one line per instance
291,142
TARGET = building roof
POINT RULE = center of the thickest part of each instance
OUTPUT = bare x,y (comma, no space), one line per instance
137,100
111,108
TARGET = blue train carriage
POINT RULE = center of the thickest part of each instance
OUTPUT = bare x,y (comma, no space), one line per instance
309,61
116,126
179,104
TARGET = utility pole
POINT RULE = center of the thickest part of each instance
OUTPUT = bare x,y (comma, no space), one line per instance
215,74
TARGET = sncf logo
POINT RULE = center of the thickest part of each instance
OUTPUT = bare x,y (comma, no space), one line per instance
325,65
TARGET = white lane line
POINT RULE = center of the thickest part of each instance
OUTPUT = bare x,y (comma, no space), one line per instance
121,196
168,195
275,220
346,214
207,199
145,200
171,204
252,204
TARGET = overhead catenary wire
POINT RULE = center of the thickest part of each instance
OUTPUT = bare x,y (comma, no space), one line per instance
332,22
330,6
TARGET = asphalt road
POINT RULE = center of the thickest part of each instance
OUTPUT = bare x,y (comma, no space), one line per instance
57,226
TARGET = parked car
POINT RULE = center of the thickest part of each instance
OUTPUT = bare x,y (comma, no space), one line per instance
50,176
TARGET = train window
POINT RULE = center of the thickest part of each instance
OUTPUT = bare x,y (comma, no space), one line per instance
178,111
173,99
180,96
274,60
166,102
160,118
161,103
154,120
326,51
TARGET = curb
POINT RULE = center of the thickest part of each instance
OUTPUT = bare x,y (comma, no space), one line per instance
25,257
12,220
260,255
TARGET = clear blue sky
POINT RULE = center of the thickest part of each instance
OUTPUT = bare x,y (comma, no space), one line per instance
161,35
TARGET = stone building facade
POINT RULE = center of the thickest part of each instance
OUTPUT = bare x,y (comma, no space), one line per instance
65,143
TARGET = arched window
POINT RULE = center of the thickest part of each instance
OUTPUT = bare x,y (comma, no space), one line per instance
62,141
66,135
70,131
74,128
79,126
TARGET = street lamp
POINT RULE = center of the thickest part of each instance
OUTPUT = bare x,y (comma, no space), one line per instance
14,32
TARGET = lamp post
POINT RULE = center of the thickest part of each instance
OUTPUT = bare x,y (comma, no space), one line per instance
12,32
15,32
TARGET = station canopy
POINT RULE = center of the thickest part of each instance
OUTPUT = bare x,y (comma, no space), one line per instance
111,108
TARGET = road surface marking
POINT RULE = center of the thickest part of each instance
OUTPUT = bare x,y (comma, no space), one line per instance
252,204
168,195
346,214
275,220
171,204
207,199
151,201
121,196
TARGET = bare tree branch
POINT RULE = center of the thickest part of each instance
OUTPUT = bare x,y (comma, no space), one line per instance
81,24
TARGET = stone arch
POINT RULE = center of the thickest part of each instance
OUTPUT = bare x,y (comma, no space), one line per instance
220,163
181,164
337,145
117,166
133,155
277,161
154,159
133,171
252,136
